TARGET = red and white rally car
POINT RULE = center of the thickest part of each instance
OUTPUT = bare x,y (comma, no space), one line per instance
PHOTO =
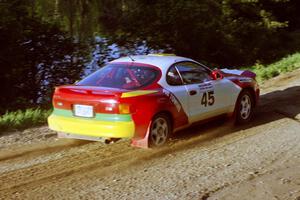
147,98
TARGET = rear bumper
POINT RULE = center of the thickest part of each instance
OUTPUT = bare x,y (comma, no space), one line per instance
91,127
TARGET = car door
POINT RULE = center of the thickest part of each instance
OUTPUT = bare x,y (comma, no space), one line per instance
176,87
206,97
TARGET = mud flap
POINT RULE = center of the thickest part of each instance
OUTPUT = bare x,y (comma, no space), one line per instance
144,142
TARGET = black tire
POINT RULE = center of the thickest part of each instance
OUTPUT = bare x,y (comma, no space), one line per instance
160,130
244,107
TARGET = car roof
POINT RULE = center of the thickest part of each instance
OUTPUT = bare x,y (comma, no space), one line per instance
161,61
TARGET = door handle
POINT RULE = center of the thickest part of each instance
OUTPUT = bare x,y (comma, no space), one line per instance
193,92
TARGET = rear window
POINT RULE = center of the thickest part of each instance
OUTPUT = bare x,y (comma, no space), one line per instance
121,76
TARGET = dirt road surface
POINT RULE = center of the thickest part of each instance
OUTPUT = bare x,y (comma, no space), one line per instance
218,160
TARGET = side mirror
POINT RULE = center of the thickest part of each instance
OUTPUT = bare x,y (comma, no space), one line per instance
217,75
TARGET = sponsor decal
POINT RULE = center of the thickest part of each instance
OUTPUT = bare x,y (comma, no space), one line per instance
206,86
173,99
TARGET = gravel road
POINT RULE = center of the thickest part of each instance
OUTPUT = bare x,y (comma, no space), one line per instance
218,160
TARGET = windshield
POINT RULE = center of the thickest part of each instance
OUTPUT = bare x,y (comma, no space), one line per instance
121,76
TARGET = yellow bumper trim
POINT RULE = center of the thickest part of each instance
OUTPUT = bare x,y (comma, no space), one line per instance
90,127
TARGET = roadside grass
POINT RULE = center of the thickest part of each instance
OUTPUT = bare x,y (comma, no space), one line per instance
19,120
286,64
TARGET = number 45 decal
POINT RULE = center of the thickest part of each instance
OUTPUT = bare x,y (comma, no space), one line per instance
208,98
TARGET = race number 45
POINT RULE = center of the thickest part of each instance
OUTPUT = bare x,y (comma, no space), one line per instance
208,98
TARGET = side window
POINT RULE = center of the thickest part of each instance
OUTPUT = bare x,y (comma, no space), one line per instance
173,78
193,73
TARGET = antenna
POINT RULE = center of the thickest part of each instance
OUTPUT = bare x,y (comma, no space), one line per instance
131,58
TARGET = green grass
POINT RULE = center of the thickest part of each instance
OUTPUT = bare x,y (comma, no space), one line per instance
23,119
284,65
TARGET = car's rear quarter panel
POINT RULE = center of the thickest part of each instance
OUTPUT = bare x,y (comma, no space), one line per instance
147,106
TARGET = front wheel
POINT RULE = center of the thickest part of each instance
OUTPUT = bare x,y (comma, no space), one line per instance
160,130
244,107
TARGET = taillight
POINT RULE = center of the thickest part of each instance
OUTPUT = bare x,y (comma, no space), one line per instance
113,106
124,108
108,106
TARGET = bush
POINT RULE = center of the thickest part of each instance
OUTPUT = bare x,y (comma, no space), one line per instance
284,65
23,119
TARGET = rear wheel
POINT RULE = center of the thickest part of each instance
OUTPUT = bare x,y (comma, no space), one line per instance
160,130
244,107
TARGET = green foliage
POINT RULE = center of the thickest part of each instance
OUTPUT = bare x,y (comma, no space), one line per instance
23,119
227,32
284,65
35,55
78,17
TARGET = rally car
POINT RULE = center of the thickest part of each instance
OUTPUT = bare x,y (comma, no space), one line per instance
147,98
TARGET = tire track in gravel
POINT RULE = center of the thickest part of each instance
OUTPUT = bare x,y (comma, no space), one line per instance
207,151
69,162
95,157
109,158
120,161
41,148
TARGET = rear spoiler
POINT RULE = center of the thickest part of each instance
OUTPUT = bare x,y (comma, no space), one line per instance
236,72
